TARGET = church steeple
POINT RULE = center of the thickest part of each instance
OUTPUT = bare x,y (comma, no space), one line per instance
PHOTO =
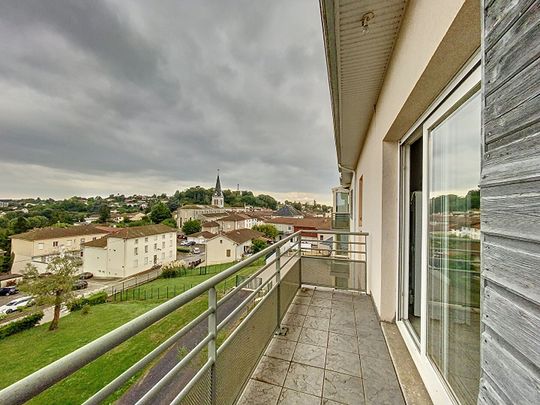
217,198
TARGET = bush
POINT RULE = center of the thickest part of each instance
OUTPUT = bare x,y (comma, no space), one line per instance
183,249
85,309
170,272
94,299
27,322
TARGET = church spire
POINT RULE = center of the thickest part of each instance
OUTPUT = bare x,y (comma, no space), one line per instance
217,190
218,199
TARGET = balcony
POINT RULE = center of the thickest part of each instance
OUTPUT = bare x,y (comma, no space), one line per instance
298,330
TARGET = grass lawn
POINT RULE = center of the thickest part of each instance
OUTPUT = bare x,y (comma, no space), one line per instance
30,350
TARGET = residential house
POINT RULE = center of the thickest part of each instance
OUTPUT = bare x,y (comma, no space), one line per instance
130,251
230,246
191,212
201,237
210,226
233,221
39,246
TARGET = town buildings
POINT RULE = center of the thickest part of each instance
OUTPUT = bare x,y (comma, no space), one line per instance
39,246
130,251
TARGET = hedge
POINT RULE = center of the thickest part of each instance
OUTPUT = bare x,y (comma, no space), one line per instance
94,299
27,322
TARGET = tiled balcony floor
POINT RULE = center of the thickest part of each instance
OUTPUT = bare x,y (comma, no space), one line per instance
333,353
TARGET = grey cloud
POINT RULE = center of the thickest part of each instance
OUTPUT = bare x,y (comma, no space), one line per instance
169,89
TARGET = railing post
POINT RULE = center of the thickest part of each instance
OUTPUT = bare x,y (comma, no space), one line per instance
212,350
300,259
279,330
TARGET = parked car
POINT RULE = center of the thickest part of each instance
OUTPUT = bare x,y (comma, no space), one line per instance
12,306
9,290
85,275
196,250
184,243
80,284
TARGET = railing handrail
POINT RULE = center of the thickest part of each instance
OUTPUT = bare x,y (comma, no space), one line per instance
30,386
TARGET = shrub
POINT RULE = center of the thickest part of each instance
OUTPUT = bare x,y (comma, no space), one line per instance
27,322
85,309
94,299
183,249
170,272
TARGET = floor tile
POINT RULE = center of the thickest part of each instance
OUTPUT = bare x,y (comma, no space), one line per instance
293,332
348,305
343,362
298,309
271,370
293,319
302,300
379,393
316,323
344,343
329,402
378,369
327,295
310,355
321,302
343,388
320,312
305,379
291,397
314,337
281,349
305,292
342,296
343,329
260,393
367,346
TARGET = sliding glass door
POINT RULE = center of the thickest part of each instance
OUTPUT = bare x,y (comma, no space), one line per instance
440,238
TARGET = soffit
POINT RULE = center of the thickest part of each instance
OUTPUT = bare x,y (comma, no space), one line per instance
357,62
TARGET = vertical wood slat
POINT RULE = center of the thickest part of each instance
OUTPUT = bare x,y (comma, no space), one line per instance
510,204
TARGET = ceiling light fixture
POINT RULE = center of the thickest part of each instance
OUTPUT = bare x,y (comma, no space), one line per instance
365,21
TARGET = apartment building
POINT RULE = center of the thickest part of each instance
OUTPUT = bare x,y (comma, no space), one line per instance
436,131
130,251
40,245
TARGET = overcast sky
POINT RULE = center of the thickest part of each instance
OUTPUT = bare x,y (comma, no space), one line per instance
101,97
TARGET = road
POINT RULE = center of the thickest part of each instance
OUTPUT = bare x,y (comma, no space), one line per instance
170,358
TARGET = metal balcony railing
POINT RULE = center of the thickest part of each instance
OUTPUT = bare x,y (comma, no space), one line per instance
337,260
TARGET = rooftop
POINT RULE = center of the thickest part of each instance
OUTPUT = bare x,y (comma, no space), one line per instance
53,232
243,235
141,231
288,211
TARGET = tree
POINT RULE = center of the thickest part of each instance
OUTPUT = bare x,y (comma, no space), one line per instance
54,289
270,231
257,245
159,213
191,227
104,213
20,225
169,222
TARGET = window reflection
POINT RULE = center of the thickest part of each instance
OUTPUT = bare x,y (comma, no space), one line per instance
454,249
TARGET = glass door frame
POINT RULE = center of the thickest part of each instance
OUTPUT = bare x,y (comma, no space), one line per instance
464,85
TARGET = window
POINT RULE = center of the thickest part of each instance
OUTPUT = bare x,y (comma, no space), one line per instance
163,256
155,246
221,241
155,237
163,236
135,263
69,242
136,241
40,246
163,245
440,233
136,251
146,239
228,252
146,260
146,249
170,254
82,240
55,243
170,243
